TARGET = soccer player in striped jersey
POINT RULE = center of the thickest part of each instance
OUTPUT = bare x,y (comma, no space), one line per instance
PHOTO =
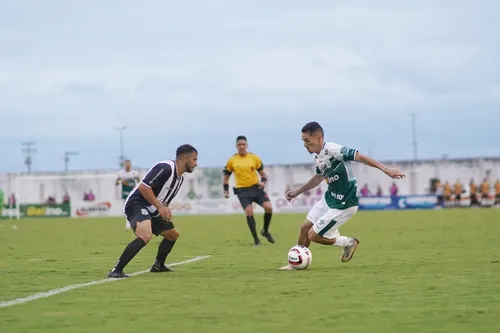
128,179
340,202
147,209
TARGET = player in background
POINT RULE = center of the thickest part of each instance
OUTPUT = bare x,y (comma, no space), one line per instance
340,201
147,209
248,188
129,179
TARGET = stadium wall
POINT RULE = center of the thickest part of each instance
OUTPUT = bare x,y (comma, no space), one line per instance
202,191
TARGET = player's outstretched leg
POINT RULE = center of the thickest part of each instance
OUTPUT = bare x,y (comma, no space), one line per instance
166,245
144,234
268,213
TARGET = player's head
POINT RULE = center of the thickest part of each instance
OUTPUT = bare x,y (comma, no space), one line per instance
127,165
241,144
312,135
187,157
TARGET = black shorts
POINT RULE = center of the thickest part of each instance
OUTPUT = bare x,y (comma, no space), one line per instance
137,212
248,195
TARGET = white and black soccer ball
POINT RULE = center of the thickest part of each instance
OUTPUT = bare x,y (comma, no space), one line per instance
299,257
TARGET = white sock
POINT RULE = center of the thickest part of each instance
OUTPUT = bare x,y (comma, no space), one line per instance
343,241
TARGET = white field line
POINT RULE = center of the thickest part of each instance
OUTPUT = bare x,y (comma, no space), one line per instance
81,285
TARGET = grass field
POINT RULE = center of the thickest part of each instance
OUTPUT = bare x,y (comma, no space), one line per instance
415,271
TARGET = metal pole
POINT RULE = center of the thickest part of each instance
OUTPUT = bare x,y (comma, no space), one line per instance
121,158
66,159
28,150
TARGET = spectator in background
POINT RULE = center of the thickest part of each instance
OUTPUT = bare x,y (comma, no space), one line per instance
393,189
458,189
447,193
485,192
439,193
66,198
12,200
473,193
365,191
379,191
497,192
88,196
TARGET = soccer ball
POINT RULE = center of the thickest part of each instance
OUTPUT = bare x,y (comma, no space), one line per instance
299,257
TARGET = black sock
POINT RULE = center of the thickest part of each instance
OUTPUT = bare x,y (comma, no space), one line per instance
251,225
164,249
267,221
130,252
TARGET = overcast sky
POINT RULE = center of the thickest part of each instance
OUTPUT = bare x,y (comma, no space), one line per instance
203,72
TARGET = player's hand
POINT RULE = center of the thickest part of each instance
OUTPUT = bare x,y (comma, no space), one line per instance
165,213
262,185
226,194
395,174
291,194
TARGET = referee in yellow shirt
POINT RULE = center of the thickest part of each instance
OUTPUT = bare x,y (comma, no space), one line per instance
248,187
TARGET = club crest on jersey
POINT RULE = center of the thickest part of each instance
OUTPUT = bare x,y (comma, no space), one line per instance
324,164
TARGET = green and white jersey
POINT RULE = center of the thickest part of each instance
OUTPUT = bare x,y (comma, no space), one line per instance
334,163
129,180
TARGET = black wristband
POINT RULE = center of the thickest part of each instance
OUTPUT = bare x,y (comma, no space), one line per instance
226,187
263,179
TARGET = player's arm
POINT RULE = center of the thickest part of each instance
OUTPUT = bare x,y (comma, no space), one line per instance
393,173
228,170
155,179
312,183
117,182
260,169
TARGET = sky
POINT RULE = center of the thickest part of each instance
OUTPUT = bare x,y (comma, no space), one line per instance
203,72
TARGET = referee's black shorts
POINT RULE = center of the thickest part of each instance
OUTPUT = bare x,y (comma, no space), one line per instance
137,212
249,195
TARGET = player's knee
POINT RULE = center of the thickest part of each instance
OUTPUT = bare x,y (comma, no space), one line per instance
305,227
173,235
312,235
249,210
268,208
145,236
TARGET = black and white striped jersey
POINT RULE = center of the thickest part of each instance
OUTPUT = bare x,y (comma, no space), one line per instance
163,179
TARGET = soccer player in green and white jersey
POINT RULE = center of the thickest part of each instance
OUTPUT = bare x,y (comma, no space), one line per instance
129,179
340,202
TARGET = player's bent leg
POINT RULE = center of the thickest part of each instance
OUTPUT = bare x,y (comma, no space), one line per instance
251,221
268,213
325,231
144,234
169,238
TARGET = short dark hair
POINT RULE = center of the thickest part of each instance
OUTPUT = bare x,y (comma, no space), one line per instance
241,137
312,127
185,149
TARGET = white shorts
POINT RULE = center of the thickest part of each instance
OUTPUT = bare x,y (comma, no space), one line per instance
327,220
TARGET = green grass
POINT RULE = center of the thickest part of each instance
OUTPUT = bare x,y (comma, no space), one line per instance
415,271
